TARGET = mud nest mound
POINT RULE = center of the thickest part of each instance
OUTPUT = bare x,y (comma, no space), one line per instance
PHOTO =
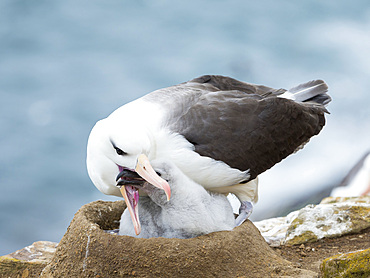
86,250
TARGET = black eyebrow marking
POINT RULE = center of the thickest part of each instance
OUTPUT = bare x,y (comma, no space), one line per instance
118,150
114,145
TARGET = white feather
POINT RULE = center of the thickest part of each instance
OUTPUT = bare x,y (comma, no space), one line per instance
305,91
191,211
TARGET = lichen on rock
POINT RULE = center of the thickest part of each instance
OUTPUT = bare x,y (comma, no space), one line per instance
306,236
29,261
351,200
331,218
315,222
351,265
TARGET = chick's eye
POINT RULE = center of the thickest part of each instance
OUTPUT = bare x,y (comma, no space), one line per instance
120,152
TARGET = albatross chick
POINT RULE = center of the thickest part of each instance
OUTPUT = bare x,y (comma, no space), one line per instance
191,211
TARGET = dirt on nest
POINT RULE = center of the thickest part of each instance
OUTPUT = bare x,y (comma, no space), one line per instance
86,250
310,255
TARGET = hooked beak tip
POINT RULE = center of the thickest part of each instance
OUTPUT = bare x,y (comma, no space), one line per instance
146,171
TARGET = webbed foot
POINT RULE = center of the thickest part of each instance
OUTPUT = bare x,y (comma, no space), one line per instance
245,211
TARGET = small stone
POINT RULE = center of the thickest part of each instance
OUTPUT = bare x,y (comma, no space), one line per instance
301,246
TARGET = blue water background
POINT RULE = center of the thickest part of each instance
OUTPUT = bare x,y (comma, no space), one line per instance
66,64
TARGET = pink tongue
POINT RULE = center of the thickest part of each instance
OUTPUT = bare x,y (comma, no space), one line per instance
133,195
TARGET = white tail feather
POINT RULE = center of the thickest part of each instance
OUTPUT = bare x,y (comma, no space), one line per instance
306,91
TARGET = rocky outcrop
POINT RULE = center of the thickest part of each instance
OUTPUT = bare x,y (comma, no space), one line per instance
351,265
357,200
29,261
87,250
333,217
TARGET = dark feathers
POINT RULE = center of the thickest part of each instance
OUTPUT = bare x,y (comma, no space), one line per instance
244,125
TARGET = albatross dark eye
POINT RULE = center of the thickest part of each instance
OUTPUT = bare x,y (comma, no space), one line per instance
119,151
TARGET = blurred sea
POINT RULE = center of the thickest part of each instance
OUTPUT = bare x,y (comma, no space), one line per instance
66,64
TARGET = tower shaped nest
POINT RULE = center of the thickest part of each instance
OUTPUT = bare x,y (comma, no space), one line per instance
86,250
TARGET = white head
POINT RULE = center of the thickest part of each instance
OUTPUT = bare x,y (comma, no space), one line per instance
115,145
111,145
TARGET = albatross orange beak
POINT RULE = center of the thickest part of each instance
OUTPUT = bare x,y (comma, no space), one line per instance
146,171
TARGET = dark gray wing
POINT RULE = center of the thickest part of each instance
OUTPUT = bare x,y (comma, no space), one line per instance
248,129
224,83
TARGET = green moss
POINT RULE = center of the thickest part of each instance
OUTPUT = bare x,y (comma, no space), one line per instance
361,211
293,226
352,265
332,200
10,267
307,236
360,218
322,218
323,228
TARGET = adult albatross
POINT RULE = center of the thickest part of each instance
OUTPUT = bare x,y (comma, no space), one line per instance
220,132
